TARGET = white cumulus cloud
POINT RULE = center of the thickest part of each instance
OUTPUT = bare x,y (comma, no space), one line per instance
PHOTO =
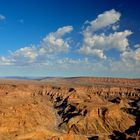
101,36
96,44
51,45
54,42
103,20
131,55
26,54
5,61
2,17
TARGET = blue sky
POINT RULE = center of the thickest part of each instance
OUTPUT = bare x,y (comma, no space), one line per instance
70,38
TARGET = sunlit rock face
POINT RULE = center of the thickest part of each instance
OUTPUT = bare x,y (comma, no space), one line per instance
70,109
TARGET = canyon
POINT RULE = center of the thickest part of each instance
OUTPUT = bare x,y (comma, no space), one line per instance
76,108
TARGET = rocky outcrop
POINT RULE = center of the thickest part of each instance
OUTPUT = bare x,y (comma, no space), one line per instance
91,113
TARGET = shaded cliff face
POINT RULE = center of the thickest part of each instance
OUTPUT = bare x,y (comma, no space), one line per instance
62,109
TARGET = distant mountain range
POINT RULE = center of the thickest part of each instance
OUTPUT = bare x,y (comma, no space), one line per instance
39,78
23,78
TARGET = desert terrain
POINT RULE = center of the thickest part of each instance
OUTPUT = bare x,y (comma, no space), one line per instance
76,108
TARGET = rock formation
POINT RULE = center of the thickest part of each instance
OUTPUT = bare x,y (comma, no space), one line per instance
70,109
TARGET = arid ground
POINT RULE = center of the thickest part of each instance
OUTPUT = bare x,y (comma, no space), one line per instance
81,108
